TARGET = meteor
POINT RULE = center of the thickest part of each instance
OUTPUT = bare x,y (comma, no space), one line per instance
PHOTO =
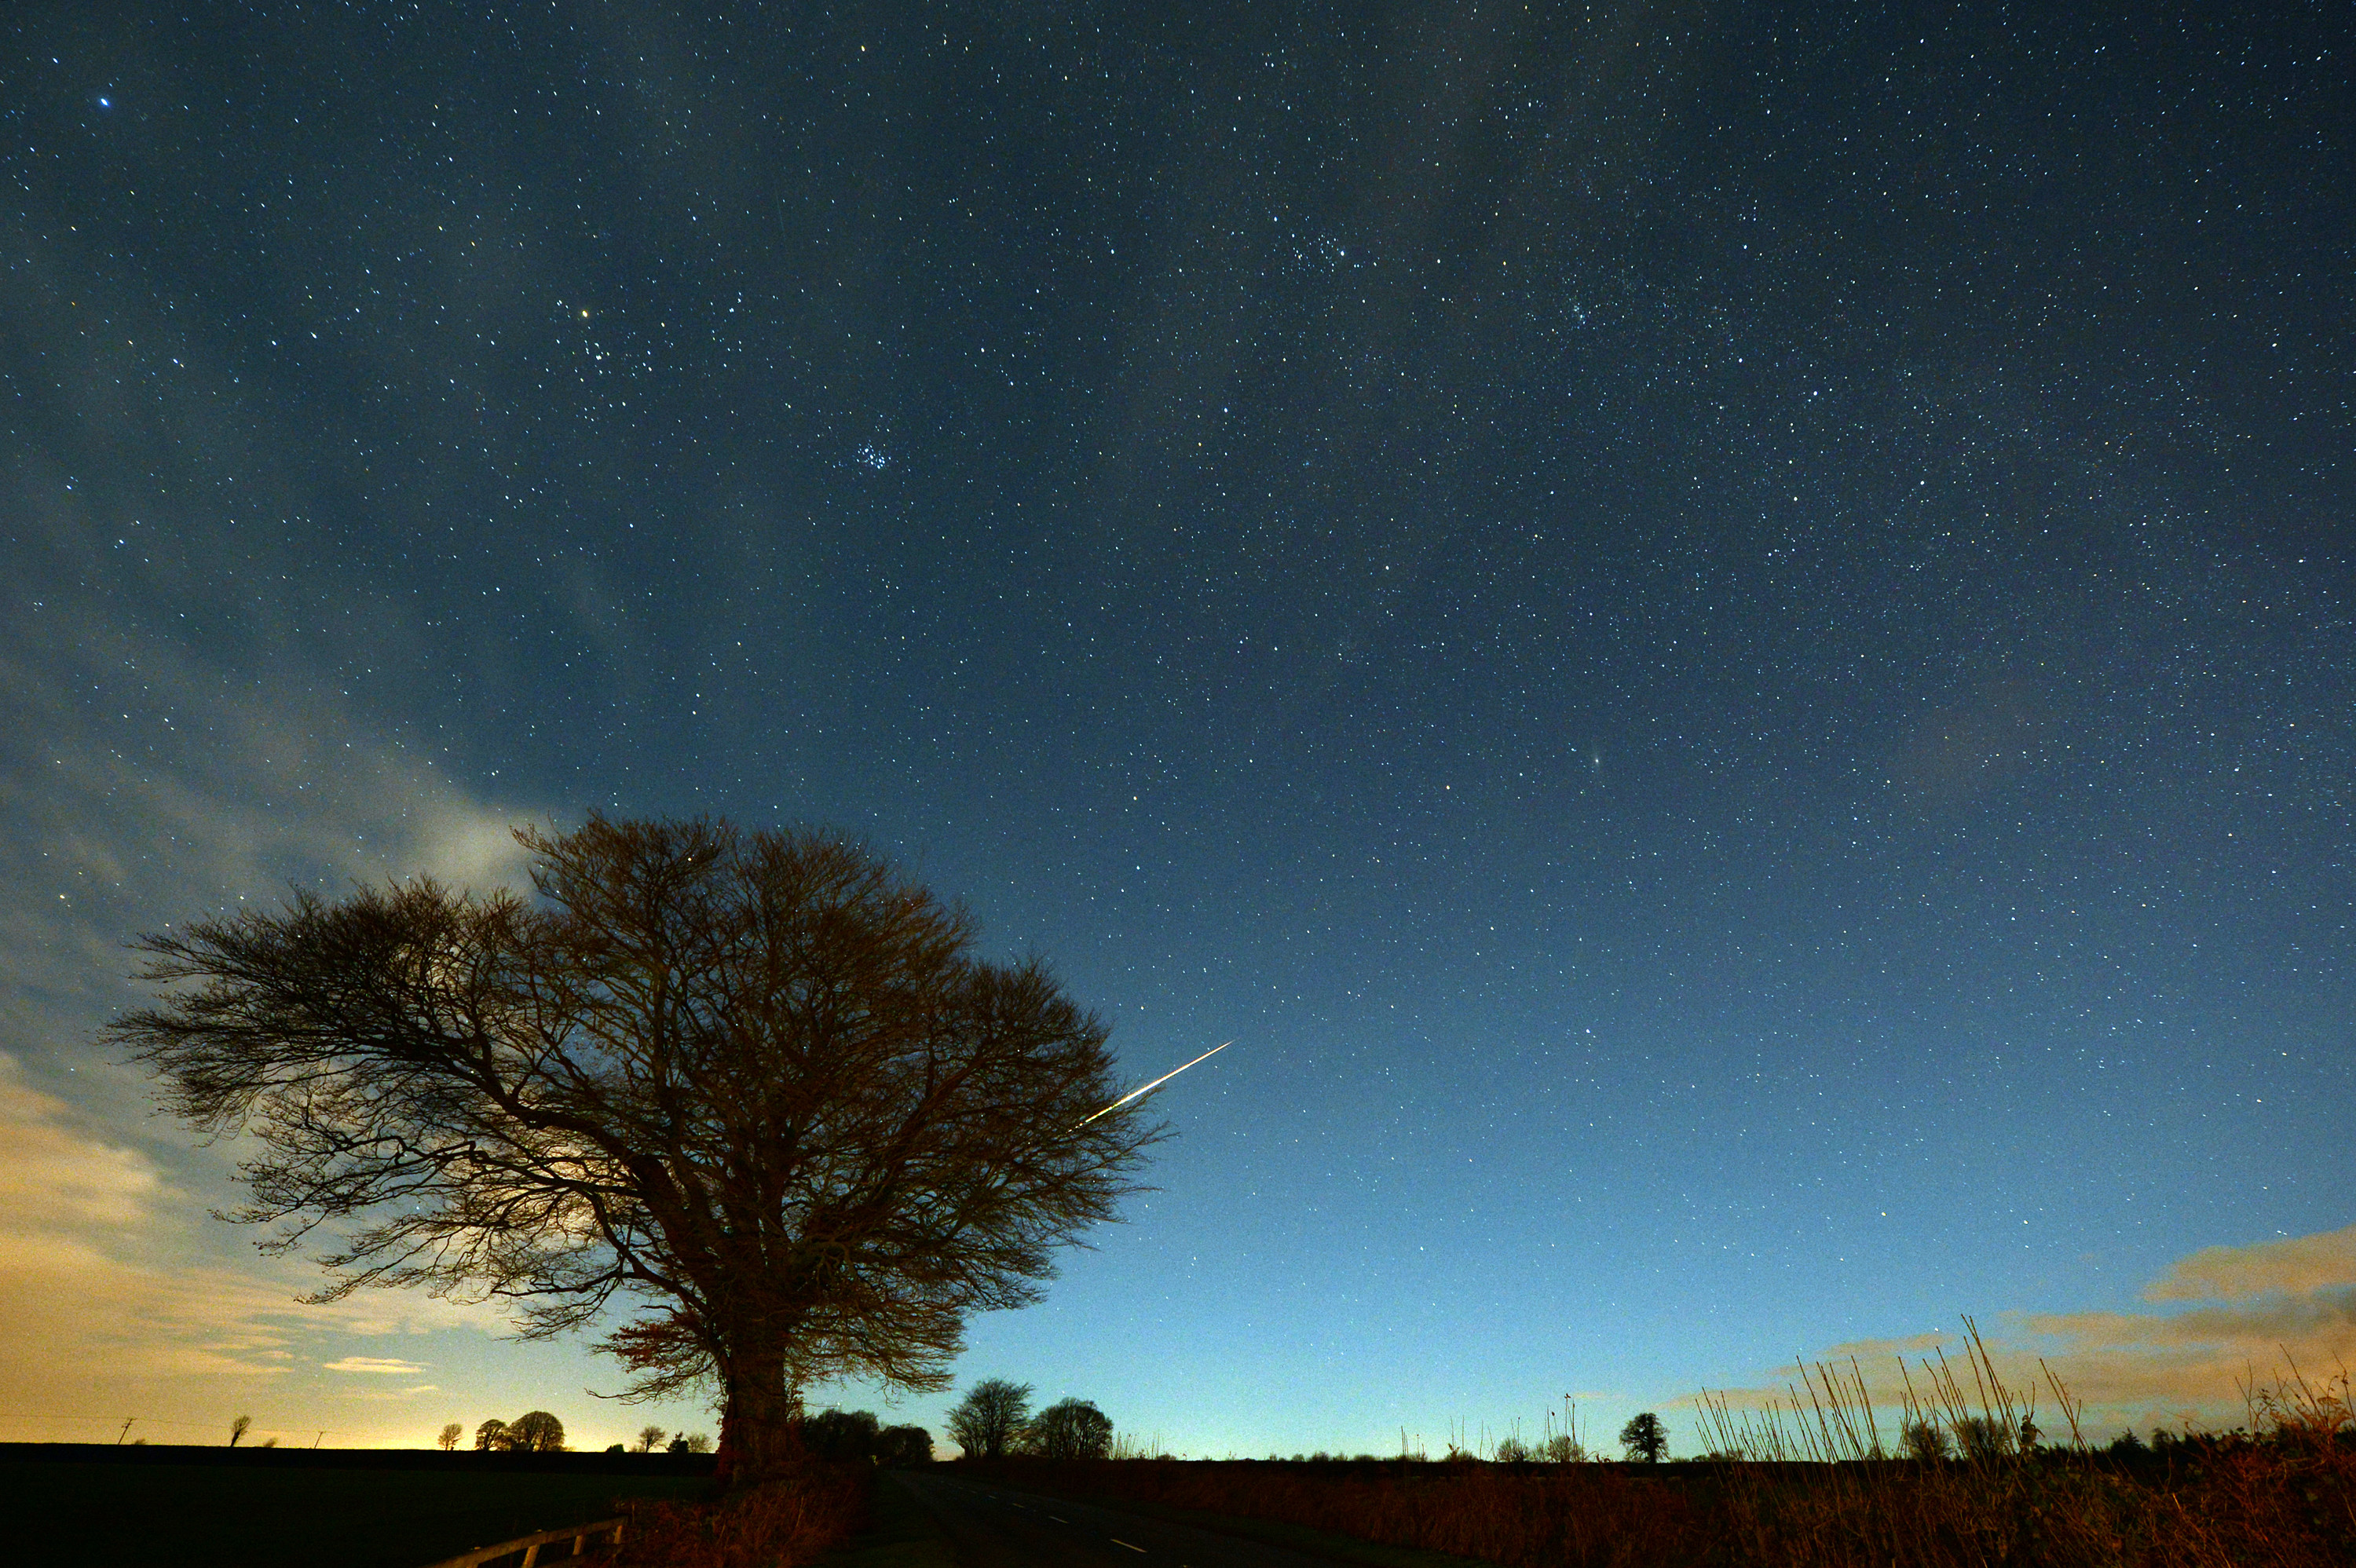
1157,1083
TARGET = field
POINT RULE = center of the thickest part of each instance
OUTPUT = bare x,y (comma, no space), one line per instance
1814,1485
201,1513
2205,1508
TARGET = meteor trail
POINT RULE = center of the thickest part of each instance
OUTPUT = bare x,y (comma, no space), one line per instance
1157,1083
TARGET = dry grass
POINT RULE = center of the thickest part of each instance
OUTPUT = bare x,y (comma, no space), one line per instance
1815,1482
784,1524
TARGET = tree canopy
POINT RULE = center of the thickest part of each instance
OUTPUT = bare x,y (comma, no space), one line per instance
1069,1429
991,1417
752,1091
1644,1438
533,1432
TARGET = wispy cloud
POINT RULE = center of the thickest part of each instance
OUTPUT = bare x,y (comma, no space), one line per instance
104,1298
2295,1265
383,1366
144,785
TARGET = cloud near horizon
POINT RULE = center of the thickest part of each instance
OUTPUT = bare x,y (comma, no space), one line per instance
2228,1320
110,1297
2295,1265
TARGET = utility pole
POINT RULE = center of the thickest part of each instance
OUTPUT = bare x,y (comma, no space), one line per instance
126,1430
315,1442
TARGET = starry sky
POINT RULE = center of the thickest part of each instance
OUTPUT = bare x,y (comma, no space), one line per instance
1719,637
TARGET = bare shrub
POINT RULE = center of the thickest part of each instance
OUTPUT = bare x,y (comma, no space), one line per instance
779,1524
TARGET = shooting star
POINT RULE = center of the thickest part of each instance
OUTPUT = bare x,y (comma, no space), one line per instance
1157,1083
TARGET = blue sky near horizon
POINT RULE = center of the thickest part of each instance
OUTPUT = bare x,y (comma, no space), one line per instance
1722,643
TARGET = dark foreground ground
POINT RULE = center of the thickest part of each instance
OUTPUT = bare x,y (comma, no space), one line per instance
212,1507
302,1509
941,1518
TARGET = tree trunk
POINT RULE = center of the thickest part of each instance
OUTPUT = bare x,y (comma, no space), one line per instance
760,1426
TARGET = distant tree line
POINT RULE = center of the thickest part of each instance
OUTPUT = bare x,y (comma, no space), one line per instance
848,1437
538,1432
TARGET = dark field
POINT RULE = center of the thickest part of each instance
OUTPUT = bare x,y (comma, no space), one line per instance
198,1514
2231,1503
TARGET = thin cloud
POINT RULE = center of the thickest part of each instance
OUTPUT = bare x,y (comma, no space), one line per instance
103,1294
2248,1314
2294,1263
1903,1345
383,1366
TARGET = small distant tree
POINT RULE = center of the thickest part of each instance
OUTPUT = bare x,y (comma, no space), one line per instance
1070,1429
2031,1434
900,1447
988,1419
650,1438
690,1443
1513,1451
1983,1436
1562,1448
237,1429
1926,1441
1645,1438
450,1435
491,1434
842,1436
534,1432
2127,1445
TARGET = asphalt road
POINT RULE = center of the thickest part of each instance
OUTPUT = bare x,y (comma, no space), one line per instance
992,1528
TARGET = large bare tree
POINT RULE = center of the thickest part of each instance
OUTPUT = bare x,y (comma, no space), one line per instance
751,1094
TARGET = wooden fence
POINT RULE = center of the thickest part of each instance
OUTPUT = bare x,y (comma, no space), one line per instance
529,1545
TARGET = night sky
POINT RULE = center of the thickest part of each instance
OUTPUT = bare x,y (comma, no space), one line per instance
1720,639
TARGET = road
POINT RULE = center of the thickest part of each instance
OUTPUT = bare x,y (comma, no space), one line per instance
990,1527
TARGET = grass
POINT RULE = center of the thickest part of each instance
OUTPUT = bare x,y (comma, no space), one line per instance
206,1516
784,1523
1815,1483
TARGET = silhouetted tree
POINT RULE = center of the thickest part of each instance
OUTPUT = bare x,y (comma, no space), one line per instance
1924,1440
690,1443
650,1438
491,1434
840,1434
1069,1429
986,1422
901,1448
237,1429
1645,1438
756,1082
533,1432
450,1435
1983,1436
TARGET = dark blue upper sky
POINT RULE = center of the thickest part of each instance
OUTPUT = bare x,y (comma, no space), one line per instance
1720,639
